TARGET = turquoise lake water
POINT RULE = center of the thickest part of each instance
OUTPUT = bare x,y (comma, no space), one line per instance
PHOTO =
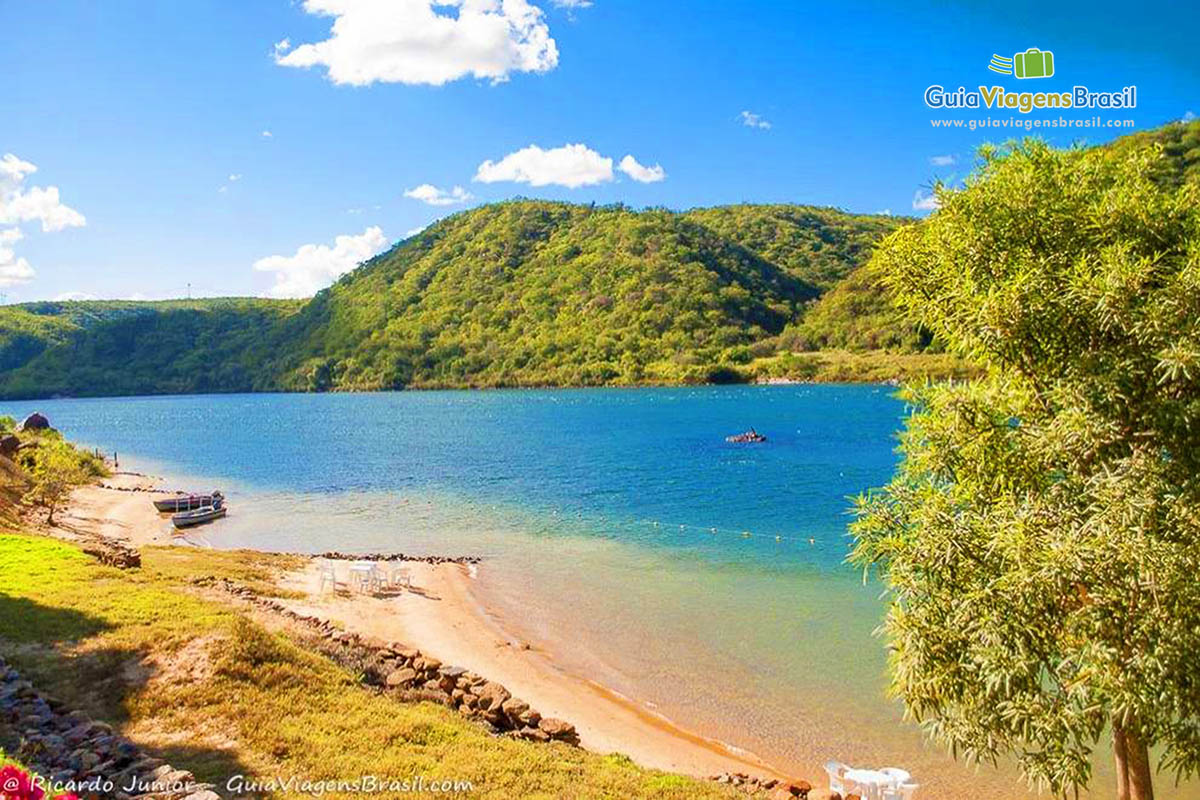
620,532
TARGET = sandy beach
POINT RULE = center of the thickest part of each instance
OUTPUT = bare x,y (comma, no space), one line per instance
119,508
441,617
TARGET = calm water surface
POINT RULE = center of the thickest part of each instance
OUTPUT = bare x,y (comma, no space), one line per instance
622,533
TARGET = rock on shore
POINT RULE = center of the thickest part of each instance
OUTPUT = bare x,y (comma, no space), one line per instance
68,746
414,675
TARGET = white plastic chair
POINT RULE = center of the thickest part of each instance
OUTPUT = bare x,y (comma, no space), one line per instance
328,575
835,770
400,578
905,791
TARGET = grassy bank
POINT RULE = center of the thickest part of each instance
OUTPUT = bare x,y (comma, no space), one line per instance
199,683
870,366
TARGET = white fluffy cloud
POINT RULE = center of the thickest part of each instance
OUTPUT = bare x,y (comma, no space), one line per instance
572,3
572,165
19,205
35,204
315,266
752,120
13,270
425,41
925,201
641,174
432,195
943,161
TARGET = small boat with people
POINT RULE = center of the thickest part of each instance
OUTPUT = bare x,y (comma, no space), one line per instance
749,437
188,502
199,516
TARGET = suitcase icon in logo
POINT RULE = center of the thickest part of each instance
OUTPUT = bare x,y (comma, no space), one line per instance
1033,63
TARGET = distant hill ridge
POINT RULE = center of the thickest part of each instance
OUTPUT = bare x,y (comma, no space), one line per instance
529,293
519,293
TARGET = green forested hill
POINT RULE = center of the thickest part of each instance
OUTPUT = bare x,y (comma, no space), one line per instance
817,245
856,314
512,294
81,348
530,293
1180,143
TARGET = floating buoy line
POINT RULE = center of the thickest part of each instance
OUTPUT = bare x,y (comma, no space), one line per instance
740,533
572,517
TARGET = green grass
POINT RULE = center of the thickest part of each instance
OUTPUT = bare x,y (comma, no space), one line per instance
871,366
244,700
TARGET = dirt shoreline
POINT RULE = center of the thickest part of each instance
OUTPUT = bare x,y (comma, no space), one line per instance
441,616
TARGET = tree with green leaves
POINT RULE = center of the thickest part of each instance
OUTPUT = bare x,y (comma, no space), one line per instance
1040,541
56,469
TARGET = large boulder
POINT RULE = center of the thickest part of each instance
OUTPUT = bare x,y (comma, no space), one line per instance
557,729
35,422
401,678
491,695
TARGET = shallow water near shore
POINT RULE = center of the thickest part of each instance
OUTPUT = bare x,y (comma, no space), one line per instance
621,534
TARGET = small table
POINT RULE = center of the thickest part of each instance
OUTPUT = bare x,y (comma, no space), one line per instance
871,781
362,574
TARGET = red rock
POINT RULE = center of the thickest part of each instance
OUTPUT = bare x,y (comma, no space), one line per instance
491,695
514,708
401,678
34,422
534,735
557,728
426,664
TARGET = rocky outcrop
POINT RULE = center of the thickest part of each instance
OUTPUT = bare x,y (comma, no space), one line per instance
778,790
146,489
87,757
114,554
413,675
34,422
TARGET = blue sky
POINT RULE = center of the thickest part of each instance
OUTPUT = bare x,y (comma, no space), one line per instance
141,113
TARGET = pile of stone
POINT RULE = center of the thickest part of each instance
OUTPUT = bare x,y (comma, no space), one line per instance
337,556
114,554
86,757
415,676
147,489
782,789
